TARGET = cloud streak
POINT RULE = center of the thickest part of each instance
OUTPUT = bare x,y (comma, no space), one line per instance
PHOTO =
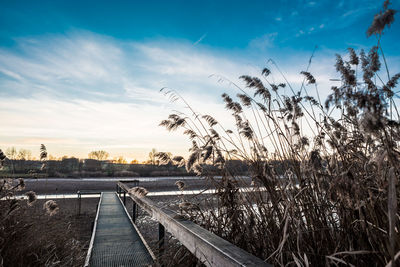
200,39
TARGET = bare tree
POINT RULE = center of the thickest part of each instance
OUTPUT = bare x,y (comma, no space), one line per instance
98,155
24,154
152,156
120,160
11,153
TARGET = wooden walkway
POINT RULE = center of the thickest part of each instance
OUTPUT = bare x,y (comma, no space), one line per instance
115,239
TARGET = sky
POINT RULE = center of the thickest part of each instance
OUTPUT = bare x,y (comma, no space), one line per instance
80,76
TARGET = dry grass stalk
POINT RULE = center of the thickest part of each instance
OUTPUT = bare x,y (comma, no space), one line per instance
328,196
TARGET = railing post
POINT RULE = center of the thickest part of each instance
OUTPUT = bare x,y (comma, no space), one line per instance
161,237
79,202
124,198
134,208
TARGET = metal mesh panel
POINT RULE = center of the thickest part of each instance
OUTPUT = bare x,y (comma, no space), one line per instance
116,242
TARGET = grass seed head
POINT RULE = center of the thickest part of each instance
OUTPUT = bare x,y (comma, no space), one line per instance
51,207
180,184
31,197
138,191
21,184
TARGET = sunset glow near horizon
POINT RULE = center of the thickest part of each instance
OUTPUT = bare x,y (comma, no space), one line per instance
79,77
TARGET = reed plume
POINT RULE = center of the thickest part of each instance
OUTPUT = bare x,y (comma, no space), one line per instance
324,174
51,207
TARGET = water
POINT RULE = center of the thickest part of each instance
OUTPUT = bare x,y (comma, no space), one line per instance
72,195
161,193
115,179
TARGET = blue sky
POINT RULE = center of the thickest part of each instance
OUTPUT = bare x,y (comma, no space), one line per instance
85,75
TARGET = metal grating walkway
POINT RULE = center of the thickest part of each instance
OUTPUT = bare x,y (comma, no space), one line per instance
115,241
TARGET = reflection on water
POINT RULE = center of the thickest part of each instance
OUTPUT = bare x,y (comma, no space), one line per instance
115,179
162,193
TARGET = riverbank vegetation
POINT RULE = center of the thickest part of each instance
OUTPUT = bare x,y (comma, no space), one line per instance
39,233
21,164
76,168
159,164
337,201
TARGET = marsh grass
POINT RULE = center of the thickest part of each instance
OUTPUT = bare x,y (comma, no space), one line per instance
37,233
335,202
31,238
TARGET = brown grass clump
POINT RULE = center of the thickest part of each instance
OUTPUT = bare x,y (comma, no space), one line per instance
325,174
33,239
51,207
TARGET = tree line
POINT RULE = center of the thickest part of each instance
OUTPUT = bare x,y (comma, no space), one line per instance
21,163
24,154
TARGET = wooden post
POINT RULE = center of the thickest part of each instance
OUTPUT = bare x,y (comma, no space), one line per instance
134,207
124,198
161,237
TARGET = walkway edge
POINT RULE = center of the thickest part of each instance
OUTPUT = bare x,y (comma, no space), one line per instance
93,233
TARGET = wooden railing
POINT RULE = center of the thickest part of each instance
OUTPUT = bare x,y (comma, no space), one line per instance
209,248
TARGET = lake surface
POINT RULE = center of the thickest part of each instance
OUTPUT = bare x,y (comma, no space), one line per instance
160,193
58,188
116,179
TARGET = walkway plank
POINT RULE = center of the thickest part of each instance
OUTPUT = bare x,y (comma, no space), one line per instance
115,241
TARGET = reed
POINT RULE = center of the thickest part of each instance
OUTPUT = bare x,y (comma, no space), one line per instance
325,174
31,236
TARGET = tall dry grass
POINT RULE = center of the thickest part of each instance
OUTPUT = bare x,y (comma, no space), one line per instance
336,200
32,235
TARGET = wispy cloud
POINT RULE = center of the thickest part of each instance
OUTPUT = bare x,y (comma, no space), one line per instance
82,91
263,42
311,3
89,66
85,90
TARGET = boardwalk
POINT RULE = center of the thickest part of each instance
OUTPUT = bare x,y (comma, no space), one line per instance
115,241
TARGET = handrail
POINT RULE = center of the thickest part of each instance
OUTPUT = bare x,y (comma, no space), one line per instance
209,248
89,254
